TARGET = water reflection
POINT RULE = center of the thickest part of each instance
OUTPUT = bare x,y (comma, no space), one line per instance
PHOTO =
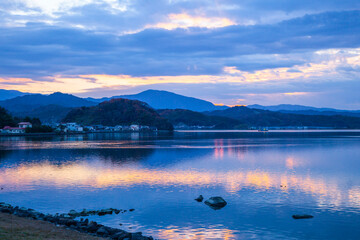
264,180
102,175
176,232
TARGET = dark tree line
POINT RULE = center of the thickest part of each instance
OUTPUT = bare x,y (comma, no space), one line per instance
6,119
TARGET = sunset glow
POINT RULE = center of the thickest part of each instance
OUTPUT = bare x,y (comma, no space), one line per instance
98,48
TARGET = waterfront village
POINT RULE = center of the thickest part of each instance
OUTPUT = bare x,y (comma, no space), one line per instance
60,128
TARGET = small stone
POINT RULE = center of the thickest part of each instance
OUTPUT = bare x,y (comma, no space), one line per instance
199,198
302,216
131,210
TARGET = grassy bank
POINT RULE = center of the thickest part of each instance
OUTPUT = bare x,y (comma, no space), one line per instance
15,228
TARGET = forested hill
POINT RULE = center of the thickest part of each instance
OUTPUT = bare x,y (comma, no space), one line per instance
118,112
183,119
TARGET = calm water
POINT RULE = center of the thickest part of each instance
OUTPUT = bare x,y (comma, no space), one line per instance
160,175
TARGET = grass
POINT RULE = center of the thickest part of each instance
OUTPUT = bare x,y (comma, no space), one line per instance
16,228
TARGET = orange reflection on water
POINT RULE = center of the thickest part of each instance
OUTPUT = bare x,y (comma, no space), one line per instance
292,162
99,175
354,196
259,179
219,148
195,234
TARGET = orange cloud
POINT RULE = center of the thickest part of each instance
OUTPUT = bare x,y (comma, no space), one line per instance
232,75
184,20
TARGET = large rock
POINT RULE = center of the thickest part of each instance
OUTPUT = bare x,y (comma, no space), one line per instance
216,203
103,212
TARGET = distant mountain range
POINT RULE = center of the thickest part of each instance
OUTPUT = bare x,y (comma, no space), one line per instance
187,111
8,94
306,110
34,101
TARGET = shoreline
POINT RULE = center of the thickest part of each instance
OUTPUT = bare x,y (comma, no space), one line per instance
57,223
73,133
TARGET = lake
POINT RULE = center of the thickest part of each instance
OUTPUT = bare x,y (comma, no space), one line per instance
264,177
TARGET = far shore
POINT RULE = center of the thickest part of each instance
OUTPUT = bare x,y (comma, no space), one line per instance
72,133
180,130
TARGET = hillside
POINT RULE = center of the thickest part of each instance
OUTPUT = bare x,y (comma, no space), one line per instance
257,117
168,100
30,102
183,119
47,114
118,112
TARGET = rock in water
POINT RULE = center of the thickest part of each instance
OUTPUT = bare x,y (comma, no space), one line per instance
199,198
216,203
303,216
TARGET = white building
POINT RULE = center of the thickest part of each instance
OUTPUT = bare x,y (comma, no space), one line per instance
8,129
25,125
73,127
134,127
118,128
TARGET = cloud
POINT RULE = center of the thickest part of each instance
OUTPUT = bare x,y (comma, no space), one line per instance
319,81
250,45
135,14
41,50
184,20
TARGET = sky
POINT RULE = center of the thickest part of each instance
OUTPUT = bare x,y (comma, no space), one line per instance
226,51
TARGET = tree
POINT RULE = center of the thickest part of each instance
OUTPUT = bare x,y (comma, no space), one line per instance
5,118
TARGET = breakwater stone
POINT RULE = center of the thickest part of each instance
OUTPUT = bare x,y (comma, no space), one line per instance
68,220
